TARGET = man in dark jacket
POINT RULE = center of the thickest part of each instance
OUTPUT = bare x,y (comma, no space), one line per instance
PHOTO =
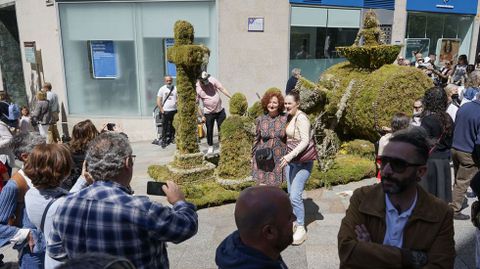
264,218
292,81
465,136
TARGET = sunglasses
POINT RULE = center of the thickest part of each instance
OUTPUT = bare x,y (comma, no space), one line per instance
417,107
397,165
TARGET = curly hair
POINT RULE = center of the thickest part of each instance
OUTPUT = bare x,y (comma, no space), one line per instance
83,132
106,155
48,164
435,102
25,142
268,96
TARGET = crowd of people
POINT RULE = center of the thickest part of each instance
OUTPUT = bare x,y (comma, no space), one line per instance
70,205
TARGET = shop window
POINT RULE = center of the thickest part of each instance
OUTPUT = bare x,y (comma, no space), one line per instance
314,34
138,32
454,30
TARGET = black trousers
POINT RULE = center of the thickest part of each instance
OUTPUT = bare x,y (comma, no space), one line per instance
210,119
168,132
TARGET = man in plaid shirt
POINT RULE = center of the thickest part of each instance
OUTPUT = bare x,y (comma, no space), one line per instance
106,218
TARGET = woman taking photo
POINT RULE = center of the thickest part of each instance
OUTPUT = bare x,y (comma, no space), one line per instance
439,127
270,138
83,132
298,165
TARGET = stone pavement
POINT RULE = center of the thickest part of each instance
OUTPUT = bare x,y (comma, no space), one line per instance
324,209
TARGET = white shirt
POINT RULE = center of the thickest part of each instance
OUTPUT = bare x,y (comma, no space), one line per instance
25,125
52,101
171,103
396,223
452,111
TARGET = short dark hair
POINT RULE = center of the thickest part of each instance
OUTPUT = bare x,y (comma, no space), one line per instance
415,136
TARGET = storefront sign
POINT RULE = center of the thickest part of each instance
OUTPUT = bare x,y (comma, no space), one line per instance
29,50
169,67
447,49
416,45
256,24
104,59
444,6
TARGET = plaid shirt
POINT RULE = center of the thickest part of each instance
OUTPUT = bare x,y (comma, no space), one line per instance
106,218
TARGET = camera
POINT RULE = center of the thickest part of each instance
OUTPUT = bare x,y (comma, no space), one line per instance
110,126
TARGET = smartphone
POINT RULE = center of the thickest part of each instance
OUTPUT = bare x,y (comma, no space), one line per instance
155,188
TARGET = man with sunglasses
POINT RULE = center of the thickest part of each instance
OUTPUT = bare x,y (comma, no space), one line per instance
396,224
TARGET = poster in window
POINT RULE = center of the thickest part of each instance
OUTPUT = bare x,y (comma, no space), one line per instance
416,45
104,59
447,49
169,67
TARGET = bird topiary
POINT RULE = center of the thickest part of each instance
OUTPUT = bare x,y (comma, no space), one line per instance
238,104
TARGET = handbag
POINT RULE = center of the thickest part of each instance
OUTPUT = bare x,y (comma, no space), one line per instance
264,159
308,154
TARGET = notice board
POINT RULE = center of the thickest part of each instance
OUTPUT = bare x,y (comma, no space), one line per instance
104,59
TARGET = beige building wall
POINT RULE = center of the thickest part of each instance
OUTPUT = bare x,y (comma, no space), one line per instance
251,62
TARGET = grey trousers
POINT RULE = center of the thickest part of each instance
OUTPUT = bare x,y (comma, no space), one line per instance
465,169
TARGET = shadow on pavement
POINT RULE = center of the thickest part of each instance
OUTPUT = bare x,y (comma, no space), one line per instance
465,254
311,211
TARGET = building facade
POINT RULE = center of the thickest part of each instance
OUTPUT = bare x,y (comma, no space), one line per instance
106,59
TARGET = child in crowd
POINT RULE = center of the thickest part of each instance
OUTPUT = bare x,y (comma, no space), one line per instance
25,124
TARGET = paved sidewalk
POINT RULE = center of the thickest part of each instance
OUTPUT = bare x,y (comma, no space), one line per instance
324,211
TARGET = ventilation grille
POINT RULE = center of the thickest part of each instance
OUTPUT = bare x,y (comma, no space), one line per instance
384,4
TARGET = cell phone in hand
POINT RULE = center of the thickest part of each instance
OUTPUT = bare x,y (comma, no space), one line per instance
155,188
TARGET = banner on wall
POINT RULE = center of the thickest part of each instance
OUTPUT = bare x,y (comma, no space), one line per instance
104,60
447,49
415,45
170,68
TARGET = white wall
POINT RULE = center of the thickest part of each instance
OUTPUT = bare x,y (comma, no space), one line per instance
251,62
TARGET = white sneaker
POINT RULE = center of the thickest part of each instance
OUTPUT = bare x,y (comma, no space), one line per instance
210,150
299,236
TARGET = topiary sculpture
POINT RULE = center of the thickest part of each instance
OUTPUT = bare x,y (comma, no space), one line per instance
189,164
234,166
368,51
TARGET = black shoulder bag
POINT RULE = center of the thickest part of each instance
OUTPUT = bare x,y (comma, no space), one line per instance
264,158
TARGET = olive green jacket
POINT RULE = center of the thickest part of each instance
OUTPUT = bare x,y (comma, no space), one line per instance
429,229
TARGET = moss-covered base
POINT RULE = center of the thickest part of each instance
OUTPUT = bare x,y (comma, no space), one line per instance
184,176
188,161
347,168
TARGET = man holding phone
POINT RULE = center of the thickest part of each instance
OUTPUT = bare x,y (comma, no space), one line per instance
106,218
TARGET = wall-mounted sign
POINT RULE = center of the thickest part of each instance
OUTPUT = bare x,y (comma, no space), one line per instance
29,49
416,45
104,59
170,68
256,24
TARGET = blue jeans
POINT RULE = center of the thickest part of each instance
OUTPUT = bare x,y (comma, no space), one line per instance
297,174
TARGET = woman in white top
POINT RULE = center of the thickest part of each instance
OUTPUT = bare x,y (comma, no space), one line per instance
47,166
298,130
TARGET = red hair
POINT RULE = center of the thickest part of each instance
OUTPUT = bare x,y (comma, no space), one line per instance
268,96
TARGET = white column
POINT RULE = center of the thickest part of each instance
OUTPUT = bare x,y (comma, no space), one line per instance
399,22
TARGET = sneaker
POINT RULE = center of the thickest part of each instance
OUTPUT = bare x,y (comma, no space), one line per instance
460,216
464,204
299,236
210,150
164,144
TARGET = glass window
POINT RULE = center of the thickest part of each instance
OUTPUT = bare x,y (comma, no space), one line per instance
438,26
138,31
313,38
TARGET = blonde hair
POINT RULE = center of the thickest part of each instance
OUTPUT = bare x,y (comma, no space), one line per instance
41,95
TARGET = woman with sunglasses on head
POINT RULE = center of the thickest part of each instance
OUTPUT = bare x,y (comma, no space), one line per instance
439,127
297,172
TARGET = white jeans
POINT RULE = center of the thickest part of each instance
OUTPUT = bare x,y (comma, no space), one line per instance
43,129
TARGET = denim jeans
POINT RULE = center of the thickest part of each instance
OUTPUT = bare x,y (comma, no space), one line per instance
297,174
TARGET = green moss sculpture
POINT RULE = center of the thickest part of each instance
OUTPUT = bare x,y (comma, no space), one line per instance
255,110
373,98
368,51
238,104
234,166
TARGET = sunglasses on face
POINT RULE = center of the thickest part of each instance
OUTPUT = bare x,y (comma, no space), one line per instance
397,165
417,107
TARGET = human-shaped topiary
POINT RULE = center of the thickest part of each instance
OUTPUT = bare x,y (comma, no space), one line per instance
234,164
189,60
371,34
